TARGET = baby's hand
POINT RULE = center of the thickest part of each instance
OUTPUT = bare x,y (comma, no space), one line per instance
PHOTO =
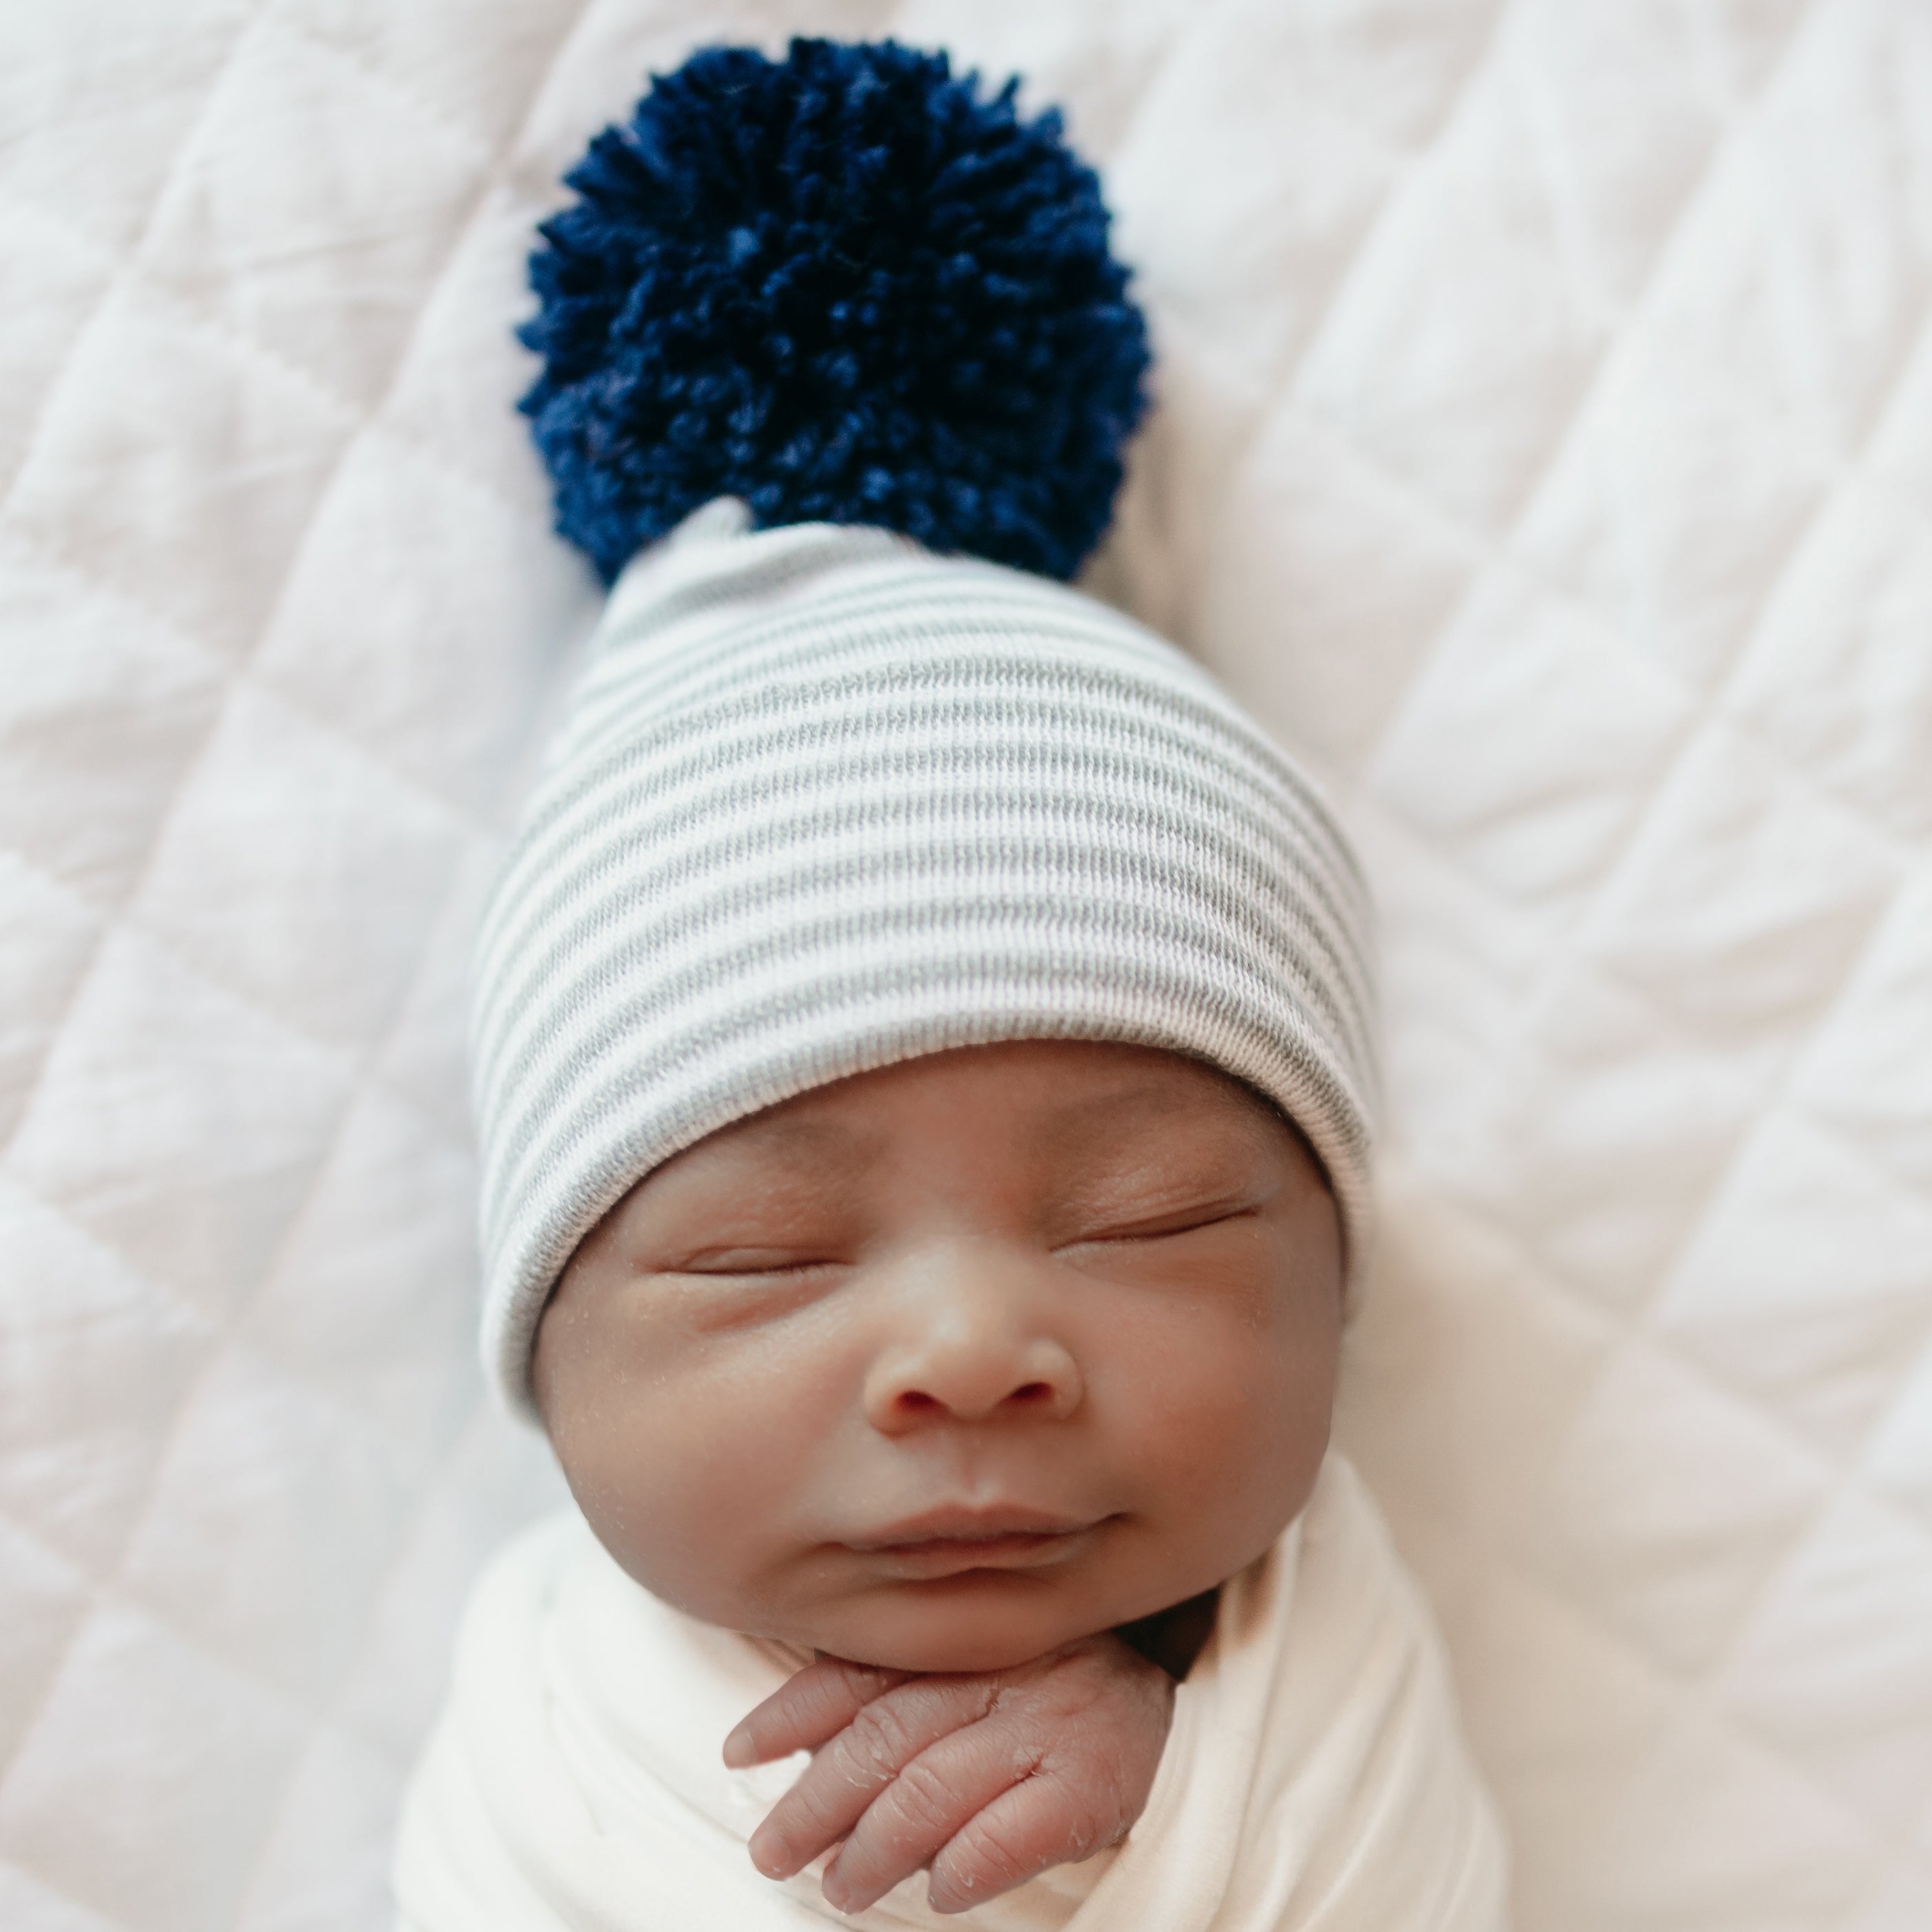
988,1778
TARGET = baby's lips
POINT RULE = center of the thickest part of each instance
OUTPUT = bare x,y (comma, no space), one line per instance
966,1523
942,1557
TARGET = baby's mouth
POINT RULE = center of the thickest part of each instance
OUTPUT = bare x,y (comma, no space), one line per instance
943,1542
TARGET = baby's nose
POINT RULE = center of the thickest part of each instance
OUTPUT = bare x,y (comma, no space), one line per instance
970,1353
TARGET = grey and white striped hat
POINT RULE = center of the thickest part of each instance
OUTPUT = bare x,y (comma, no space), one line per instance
824,801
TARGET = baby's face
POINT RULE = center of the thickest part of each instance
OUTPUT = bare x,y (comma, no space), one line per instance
947,1363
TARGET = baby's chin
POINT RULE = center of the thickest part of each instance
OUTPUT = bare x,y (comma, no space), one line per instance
977,1622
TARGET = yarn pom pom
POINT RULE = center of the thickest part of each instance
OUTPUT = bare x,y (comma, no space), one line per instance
846,288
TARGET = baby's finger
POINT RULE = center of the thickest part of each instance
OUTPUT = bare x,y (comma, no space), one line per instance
859,1763
932,1800
811,1705
1017,1835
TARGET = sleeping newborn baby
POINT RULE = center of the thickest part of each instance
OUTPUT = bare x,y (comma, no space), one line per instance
924,1058
961,1365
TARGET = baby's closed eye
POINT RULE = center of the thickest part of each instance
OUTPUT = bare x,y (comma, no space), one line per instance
1162,1227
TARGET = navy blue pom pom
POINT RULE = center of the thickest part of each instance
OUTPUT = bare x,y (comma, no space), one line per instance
846,288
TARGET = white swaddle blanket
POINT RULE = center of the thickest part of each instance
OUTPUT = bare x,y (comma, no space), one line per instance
1315,1777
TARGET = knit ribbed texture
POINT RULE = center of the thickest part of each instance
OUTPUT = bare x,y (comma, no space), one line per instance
824,801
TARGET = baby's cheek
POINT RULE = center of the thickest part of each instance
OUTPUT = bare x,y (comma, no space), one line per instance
1230,1442
1198,1407
683,1499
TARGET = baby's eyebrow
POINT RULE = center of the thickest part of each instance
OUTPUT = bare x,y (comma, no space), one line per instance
808,1135
1104,1116
1073,1123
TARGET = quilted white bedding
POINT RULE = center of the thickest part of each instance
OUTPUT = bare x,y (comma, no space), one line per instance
1545,449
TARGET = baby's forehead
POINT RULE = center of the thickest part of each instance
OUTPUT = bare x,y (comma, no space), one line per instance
1048,1101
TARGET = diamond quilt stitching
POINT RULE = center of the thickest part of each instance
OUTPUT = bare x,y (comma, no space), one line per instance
1545,449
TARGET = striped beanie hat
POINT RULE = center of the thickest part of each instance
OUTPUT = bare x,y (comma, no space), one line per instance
847,779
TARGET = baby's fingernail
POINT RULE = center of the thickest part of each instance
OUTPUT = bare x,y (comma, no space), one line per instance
738,1750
